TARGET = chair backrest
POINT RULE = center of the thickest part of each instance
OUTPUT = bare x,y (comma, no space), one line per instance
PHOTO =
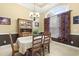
37,41
47,37
11,41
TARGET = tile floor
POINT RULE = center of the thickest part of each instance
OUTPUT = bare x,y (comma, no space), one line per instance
56,49
60,49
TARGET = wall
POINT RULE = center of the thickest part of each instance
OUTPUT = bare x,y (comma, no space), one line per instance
12,11
75,12
35,28
41,21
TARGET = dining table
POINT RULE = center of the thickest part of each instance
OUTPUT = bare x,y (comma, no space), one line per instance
25,43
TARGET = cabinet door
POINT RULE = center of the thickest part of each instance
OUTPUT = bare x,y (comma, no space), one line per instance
46,24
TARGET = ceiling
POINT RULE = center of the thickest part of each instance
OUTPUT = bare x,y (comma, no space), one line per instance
39,7
41,4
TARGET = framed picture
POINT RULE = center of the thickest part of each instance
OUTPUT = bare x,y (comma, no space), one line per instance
76,20
5,21
36,24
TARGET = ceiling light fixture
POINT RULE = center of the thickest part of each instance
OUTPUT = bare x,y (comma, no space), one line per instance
34,15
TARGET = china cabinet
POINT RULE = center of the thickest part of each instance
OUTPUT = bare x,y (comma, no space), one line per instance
24,27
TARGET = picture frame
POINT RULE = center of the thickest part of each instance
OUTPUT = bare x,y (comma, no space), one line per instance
36,24
76,20
5,21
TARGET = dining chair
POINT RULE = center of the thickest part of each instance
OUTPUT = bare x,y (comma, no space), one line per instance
37,45
46,42
12,46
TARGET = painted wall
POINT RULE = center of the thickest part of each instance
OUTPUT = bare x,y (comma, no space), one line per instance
41,21
75,12
12,11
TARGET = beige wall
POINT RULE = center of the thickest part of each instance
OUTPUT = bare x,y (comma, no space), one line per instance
12,11
41,20
75,12
15,11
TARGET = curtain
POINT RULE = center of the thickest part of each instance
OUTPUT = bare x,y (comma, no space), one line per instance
54,26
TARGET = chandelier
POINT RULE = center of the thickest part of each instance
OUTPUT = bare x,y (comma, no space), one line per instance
34,15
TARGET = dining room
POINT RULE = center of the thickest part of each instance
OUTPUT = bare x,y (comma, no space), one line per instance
39,29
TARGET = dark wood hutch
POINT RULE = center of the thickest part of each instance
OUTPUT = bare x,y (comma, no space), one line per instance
24,27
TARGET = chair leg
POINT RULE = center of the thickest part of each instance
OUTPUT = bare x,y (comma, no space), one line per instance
48,48
27,53
32,53
13,53
40,51
43,51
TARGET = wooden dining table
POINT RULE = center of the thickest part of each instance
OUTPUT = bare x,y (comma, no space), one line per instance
25,43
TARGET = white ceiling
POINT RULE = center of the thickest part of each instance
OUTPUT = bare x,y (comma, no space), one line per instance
39,7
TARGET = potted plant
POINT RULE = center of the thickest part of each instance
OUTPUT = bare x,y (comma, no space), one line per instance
35,32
